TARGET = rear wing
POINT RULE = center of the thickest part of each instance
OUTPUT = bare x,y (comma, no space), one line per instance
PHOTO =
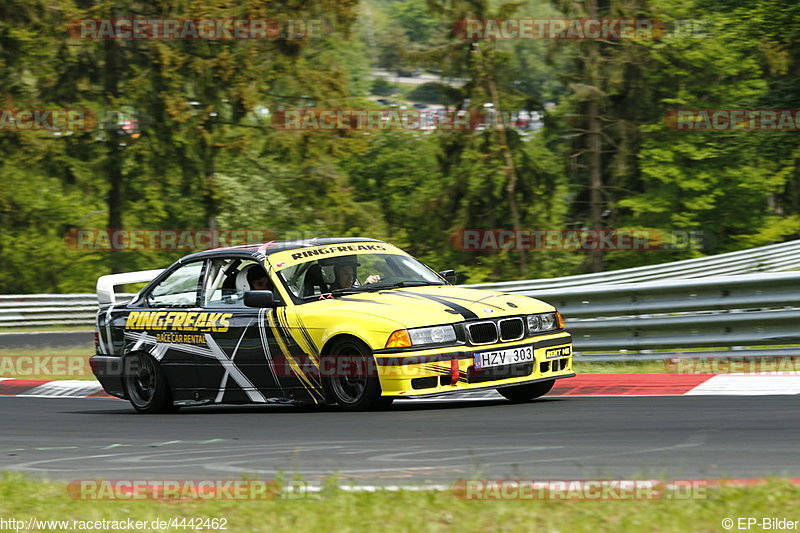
106,284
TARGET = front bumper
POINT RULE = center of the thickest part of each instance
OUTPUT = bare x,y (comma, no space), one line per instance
446,370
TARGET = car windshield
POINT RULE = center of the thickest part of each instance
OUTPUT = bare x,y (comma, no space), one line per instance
355,273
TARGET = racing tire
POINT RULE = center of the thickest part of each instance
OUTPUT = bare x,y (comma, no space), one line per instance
146,386
527,392
354,383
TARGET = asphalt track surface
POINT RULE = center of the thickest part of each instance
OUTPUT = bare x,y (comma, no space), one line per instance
412,443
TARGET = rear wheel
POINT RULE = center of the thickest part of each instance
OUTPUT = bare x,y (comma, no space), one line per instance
529,391
146,386
352,382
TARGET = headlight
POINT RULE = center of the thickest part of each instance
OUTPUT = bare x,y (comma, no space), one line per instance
541,322
548,321
434,335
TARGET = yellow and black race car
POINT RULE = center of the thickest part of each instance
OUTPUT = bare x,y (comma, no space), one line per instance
350,321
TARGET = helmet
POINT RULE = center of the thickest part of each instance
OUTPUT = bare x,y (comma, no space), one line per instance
242,281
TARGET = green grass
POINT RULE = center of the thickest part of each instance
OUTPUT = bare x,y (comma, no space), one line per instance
336,510
625,367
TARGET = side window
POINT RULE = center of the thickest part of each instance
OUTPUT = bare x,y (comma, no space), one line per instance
179,289
229,278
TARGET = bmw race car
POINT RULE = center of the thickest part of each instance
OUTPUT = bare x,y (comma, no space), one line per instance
349,321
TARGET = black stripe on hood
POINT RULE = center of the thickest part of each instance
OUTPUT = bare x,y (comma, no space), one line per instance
460,309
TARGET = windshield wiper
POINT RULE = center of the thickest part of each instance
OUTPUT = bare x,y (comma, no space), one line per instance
350,290
378,287
413,283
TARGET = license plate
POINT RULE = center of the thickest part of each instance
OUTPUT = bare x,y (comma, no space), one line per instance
553,353
509,356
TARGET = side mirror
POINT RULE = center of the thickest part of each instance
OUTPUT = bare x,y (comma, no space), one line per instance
449,275
260,299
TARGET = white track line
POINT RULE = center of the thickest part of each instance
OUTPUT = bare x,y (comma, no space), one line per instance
749,385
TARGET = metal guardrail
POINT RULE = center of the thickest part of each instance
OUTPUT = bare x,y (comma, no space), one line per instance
730,312
25,310
772,258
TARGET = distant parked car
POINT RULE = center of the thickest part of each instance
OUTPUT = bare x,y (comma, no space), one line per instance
408,73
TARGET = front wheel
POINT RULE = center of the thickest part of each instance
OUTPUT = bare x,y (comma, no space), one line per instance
352,381
146,386
529,391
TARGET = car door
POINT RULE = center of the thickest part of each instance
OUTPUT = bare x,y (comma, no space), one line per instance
247,351
258,352
169,325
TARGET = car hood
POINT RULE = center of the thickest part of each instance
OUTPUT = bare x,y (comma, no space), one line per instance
431,305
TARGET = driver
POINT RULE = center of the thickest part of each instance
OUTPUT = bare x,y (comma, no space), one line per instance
345,276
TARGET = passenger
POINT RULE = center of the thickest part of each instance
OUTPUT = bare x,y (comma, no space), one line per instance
258,279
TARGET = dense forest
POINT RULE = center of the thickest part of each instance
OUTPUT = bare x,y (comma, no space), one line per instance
184,135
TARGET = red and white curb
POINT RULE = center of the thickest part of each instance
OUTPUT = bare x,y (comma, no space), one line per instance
756,384
52,389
